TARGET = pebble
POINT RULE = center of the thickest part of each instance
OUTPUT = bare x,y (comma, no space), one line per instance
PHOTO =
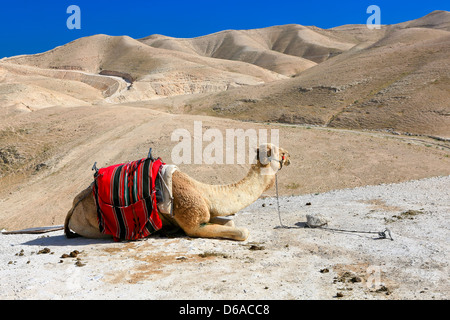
314,220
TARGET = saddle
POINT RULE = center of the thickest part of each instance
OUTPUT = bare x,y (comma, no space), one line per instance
126,196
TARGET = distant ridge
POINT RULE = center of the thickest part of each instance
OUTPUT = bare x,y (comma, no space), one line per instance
392,78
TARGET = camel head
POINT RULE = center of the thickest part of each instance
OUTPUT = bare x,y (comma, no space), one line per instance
269,154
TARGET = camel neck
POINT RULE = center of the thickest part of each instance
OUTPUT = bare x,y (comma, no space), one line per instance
229,199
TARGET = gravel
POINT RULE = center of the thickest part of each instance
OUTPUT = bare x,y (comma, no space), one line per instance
295,262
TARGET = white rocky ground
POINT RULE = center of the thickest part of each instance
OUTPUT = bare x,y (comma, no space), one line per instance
274,263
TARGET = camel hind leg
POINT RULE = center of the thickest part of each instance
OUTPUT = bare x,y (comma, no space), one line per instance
82,218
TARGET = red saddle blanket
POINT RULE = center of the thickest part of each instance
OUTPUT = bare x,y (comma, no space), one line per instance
126,199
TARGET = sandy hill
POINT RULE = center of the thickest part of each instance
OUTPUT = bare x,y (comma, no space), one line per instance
396,80
160,66
108,99
153,72
288,49
438,19
130,57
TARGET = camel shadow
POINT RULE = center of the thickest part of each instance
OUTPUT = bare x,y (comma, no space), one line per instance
298,225
63,241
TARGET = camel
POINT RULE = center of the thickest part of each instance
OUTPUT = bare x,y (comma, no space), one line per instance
198,208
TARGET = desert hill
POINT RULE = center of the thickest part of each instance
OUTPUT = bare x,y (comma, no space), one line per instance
397,80
394,78
438,19
108,99
153,72
288,49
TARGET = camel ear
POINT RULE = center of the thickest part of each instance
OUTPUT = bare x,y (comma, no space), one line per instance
269,151
264,156
257,154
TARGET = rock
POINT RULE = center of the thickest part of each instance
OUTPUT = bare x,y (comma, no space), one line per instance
74,253
384,289
10,156
79,263
256,247
44,251
314,220
40,166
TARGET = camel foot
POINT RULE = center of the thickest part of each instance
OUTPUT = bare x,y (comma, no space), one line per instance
219,231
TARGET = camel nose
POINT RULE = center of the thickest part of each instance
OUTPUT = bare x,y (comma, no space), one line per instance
287,160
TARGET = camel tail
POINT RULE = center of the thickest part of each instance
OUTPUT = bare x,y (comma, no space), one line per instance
67,231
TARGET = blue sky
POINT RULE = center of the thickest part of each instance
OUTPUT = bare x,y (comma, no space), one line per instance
35,26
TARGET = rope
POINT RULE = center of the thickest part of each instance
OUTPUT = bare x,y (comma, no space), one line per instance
278,201
381,235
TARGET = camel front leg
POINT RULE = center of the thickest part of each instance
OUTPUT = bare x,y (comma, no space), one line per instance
208,230
222,221
192,213
197,223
